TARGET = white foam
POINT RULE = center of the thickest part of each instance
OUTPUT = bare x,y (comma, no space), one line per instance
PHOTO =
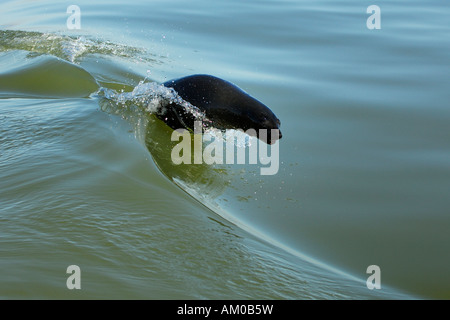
152,97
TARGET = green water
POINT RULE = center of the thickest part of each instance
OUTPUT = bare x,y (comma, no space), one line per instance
364,175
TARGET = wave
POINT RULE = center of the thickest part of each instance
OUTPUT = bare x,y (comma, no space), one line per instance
45,65
153,98
27,75
70,48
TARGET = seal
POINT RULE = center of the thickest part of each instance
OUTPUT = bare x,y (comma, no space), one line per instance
224,104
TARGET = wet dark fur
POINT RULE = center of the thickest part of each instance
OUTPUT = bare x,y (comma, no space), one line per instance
227,106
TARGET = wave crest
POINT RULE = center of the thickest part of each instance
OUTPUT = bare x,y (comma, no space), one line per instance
70,48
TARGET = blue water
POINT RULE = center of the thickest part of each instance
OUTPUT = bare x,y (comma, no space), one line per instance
364,174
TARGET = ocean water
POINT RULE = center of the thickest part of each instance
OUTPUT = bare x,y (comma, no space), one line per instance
86,176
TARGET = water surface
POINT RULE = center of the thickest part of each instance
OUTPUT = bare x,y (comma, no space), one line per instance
364,173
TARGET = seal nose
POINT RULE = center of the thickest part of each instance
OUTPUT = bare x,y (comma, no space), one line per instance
272,140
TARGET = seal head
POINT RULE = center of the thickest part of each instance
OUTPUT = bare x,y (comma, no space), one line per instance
226,105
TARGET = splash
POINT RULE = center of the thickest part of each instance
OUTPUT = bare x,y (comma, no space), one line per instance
151,97
154,98
238,138
69,48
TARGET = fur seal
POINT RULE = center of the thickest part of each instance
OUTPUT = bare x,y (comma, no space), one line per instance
226,105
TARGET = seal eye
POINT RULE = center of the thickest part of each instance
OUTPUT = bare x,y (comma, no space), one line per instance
264,117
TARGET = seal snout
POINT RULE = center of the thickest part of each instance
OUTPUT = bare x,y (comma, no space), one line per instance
273,124
273,139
